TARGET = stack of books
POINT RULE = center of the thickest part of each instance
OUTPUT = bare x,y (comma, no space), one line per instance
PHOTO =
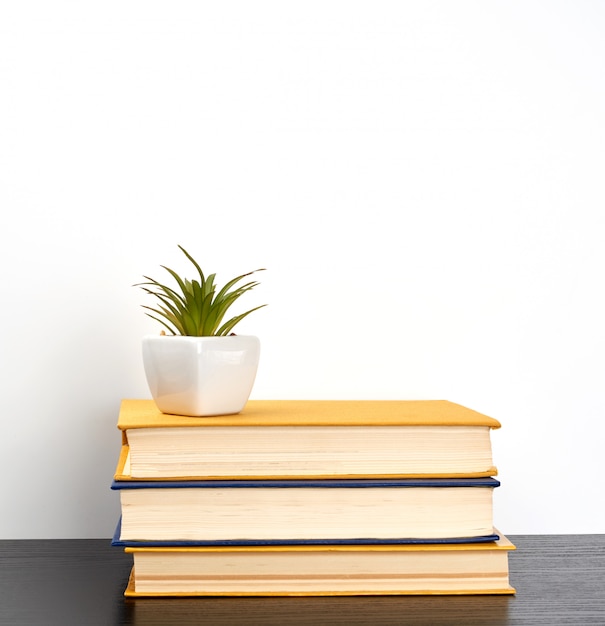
310,497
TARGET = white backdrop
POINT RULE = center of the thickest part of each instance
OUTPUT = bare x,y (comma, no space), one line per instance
423,181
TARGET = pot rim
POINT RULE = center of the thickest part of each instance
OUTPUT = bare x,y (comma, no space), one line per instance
196,338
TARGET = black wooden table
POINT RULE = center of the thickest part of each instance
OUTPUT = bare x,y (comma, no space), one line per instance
560,579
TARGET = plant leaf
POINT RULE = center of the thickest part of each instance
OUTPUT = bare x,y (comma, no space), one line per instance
226,328
193,307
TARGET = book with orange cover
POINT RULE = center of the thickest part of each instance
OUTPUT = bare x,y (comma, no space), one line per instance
322,570
291,439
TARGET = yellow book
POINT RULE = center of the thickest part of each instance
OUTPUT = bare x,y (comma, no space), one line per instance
285,439
322,570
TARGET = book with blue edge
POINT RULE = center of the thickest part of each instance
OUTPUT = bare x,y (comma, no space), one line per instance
306,510
117,541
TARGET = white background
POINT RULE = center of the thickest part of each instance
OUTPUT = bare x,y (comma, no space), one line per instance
423,180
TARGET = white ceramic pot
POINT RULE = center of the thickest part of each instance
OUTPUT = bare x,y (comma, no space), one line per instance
200,376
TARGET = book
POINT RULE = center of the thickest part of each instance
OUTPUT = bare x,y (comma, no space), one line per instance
292,439
288,511
123,543
322,570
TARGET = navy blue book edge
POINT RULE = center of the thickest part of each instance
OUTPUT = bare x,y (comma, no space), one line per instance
364,541
323,484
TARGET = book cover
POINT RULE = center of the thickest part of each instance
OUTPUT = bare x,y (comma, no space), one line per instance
333,483
142,413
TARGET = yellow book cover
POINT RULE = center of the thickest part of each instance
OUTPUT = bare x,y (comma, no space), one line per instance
137,413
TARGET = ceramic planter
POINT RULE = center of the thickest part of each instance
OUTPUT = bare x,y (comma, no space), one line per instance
200,376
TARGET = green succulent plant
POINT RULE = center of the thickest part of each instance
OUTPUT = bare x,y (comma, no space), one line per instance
193,307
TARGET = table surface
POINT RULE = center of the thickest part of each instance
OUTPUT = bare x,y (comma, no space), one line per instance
560,579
